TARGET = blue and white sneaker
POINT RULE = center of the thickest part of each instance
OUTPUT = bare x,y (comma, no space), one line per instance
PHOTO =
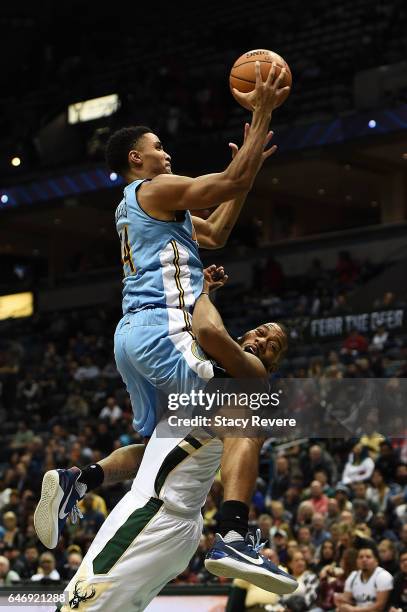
60,493
241,559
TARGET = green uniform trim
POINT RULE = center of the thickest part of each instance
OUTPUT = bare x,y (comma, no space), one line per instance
124,536
173,459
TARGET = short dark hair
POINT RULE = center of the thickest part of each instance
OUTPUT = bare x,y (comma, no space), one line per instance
364,545
120,143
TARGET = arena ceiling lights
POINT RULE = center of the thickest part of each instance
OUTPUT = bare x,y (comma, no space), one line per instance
89,110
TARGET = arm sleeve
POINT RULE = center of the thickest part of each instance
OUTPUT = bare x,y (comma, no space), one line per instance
348,583
384,581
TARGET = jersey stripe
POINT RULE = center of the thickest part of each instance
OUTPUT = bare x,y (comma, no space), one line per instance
115,548
179,286
188,446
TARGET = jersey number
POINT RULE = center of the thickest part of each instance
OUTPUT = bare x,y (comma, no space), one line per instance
126,251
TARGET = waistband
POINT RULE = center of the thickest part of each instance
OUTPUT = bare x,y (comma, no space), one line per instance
159,504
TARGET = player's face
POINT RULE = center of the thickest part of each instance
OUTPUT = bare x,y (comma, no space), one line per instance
267,342
153,157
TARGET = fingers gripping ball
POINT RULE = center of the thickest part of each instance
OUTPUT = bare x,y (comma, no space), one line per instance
243,76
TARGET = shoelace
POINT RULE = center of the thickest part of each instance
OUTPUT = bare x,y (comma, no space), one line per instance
75,514
257,546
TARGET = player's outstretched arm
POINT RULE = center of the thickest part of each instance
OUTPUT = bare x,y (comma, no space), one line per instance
213,232
168,192
213,337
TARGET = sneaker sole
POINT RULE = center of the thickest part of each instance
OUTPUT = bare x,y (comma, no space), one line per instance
230,568
47,509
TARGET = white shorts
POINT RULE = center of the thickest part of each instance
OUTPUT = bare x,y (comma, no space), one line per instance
152,533
124,571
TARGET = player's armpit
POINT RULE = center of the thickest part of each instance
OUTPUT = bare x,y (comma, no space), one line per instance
168,192
204,236
220,346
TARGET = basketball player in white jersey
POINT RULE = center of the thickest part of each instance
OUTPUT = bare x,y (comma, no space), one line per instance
152,533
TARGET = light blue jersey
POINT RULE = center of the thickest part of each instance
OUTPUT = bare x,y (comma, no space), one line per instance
155,349
160,259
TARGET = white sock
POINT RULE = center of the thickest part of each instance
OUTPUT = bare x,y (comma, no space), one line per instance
233,536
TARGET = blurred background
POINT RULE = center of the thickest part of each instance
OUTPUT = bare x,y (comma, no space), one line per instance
321,245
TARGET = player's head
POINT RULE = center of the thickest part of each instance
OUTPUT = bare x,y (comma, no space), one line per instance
268,342
136,152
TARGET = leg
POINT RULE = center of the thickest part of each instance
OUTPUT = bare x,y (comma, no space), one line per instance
240,468
122,464
62,489
139,548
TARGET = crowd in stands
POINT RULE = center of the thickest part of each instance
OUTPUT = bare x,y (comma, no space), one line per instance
328,507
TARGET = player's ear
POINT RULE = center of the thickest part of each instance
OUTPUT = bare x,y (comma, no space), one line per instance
134,158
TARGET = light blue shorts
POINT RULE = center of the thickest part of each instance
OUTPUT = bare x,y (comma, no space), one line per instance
154,353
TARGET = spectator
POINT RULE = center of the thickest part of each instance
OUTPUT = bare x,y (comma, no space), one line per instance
398,596
22,436
332,579
27,563
380,528
332,512
265,523
12,534
368,587
318,531
111,411
92,519
317,459
304,535
318,499
7,576
281,477
380,338
308,582
4,493
279,542
88,370
387,461
388,556
210,513
379,492
74,559
46,569
354,344
327,555
347,269
359,465
342,495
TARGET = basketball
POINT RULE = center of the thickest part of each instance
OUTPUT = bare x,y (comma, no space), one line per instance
243,74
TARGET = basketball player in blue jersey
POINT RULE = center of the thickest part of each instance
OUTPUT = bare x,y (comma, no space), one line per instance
155,348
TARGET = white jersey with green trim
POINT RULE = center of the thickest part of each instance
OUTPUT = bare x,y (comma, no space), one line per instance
179,471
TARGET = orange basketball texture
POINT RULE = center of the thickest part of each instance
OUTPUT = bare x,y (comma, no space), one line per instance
243,74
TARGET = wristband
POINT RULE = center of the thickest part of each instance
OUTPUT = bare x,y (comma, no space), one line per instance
205,293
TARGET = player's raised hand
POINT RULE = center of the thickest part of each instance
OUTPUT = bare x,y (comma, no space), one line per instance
267,94
214,278
267,152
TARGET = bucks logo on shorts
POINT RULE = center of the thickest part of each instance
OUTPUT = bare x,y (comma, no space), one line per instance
80,595
198,352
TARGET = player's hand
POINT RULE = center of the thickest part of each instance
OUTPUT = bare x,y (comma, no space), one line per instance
214,278
267,94
267,152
